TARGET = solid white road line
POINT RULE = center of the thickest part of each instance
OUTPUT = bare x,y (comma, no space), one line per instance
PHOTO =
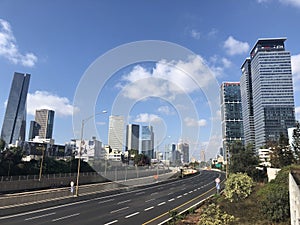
36,217
131,215
65,217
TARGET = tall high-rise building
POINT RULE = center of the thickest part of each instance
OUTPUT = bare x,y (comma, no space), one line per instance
247,103
116,132
14,123
231,113
45,119
184,149
132,137
272,88
148,141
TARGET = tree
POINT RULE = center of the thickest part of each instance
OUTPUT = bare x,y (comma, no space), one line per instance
2,145
296,142
238,186
243,160
213,215
282,154
141,160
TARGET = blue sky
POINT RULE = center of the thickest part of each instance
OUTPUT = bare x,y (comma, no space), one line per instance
58,41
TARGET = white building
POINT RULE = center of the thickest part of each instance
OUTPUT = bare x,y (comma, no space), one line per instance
264,157
116,132
90,149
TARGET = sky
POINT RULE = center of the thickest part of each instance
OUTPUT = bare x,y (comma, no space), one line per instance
157,63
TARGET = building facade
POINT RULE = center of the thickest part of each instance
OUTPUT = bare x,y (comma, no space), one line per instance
132,137
148,141
272,87
184,149
247,103
43,124
231,114
116,132
14,123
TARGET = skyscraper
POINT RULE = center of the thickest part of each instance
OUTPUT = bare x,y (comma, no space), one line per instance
184,149
132,137
231,113
272,88
14,123
148,141
116,132
45,118
247,103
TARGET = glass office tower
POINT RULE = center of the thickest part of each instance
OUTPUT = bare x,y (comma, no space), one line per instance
45,118
14,123
148,141
132,137
272,86
247,103
231,113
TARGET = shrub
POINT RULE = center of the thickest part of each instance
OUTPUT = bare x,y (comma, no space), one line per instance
213,215
238,186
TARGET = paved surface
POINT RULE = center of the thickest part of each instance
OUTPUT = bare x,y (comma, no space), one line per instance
149,205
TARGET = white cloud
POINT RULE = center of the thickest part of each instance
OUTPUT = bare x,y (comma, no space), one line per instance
46,100
195,34
147,118
191,122
235,47
165,110
295,61
212,33
295,3
297,112
226,62
9,48
167,79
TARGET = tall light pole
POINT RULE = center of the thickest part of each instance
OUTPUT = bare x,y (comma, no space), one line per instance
80,148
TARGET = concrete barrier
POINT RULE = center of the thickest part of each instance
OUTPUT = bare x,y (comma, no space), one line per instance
27,198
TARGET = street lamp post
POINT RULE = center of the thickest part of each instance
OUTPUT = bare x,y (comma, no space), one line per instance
80,147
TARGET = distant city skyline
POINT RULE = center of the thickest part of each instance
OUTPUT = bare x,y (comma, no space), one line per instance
170,93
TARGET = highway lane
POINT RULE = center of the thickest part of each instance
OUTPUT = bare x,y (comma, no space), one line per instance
148,205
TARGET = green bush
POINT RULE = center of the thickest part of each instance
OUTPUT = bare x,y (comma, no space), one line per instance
274,197
238,186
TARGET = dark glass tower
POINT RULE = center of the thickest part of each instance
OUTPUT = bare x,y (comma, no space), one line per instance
231,113
148,141
14,123
132,137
